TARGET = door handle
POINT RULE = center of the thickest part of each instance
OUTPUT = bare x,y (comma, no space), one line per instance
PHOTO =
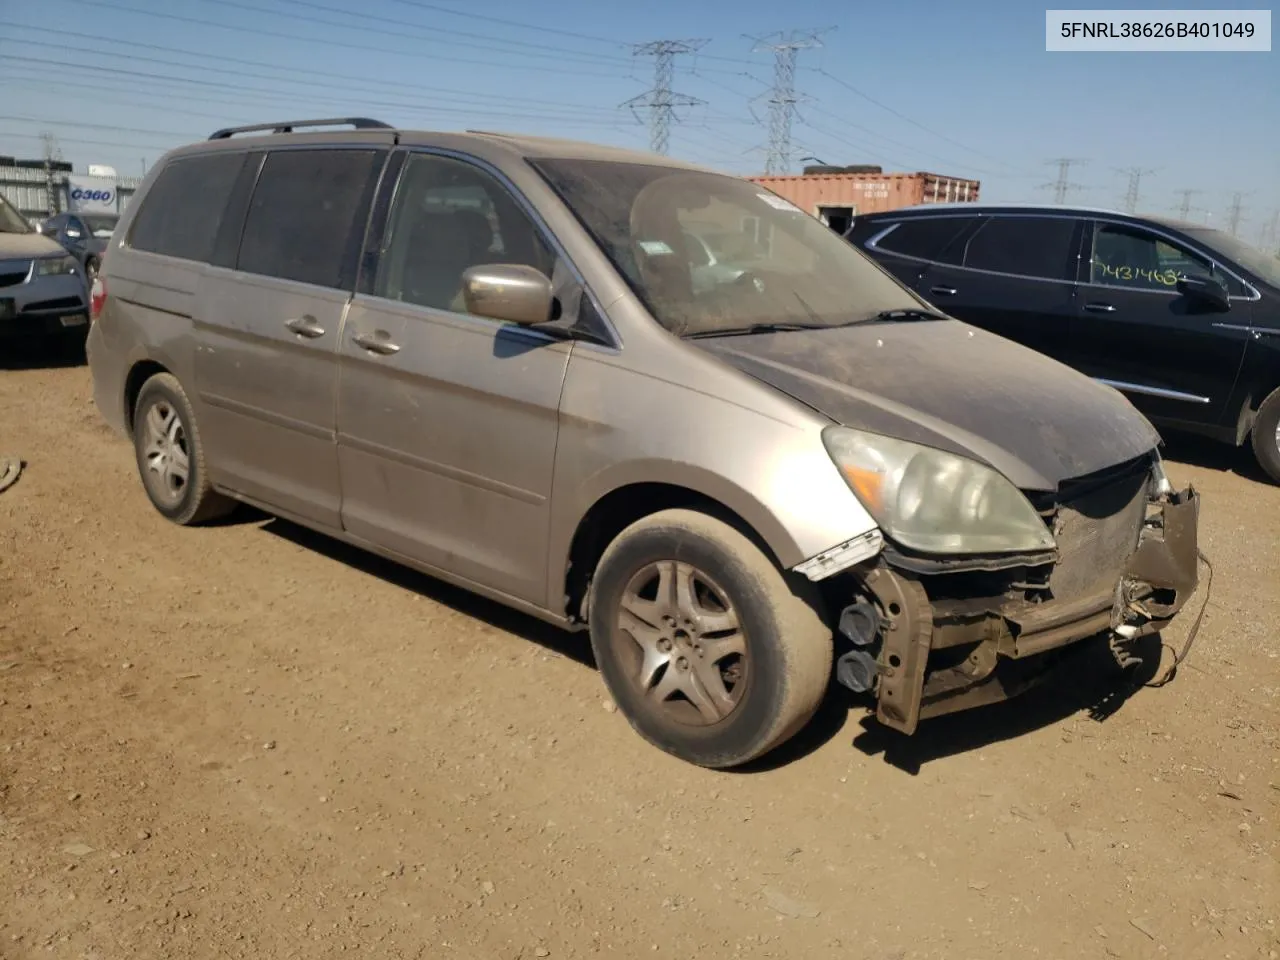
943,291
377,342
305,326
1100,307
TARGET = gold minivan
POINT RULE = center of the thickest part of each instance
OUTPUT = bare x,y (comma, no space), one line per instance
511,363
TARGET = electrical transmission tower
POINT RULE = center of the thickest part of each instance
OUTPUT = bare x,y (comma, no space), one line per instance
1269,239
661,101
782,99
52,154
1236,214
1184,208
1135,181
1063,184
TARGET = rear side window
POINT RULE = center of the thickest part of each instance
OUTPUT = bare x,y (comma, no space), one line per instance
1027,246
926,239
307,216
181,212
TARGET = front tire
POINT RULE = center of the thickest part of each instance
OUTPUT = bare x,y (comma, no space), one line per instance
170,458
1266,436
707,651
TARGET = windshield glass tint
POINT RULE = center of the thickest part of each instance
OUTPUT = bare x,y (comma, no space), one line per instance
708,252
11,220
1252,259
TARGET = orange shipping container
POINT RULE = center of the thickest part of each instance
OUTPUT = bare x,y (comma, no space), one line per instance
836,198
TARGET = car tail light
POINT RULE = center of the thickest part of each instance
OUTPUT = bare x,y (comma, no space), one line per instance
97,297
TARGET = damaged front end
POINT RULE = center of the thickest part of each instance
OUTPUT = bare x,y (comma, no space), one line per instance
932,635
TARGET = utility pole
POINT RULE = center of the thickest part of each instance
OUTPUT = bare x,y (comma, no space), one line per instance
785,48
1135,181
52,154
1184,209
1063,184
1236,214
661,101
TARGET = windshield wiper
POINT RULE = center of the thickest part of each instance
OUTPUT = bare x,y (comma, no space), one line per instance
898,316
754,328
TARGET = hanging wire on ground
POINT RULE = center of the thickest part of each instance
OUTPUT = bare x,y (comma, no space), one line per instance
1181,655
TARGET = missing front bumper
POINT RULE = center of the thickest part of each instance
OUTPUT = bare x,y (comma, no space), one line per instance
941,656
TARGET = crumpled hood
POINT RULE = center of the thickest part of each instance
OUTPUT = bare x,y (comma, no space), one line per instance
19,246
949,385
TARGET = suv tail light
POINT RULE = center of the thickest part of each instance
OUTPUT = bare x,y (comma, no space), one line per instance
97,297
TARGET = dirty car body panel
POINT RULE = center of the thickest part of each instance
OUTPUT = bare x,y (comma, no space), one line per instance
507,457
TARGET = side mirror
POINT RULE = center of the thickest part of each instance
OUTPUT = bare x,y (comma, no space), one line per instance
1209,291
508,291
73,233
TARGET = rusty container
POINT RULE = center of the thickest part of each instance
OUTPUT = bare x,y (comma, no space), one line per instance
822,194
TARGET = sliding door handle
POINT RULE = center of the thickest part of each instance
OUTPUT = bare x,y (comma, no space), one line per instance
305,326
1100,308
378,342
943,291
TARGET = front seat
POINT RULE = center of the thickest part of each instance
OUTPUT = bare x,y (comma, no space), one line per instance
435,260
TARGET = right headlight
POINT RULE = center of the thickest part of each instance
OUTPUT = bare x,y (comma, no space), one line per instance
933,501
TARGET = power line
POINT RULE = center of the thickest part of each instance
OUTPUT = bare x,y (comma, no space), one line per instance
1135,182
1063,184
343,44
902,116
661,101
785,47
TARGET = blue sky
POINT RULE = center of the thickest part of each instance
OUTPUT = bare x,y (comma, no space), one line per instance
911,85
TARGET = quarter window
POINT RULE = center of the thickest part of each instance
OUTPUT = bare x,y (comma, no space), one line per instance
1027,246
449,216
1130,257
307,217
181,212
927,238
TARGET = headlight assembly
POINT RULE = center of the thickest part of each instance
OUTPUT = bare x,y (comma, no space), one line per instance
936,502
56,266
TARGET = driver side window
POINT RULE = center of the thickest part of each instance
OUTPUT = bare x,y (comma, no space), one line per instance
449,216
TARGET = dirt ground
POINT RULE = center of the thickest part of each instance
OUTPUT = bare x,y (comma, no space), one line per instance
248,741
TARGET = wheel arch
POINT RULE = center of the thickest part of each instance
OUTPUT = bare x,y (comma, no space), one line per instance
613,507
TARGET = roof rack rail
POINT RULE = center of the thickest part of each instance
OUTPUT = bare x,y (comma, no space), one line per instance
359,123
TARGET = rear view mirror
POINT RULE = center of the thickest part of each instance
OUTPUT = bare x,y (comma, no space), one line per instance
1208,291
508,291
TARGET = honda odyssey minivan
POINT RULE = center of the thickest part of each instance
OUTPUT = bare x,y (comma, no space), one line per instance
485,356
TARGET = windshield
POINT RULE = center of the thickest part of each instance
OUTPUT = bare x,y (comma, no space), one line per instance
787,267
1260,264
11,221
100,227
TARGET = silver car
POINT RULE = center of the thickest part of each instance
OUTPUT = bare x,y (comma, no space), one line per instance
43,292
485,356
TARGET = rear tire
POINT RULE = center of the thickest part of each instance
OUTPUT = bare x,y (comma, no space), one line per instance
166,442
707,651
1266,436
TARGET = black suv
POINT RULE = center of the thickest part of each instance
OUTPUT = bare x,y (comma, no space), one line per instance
1183,319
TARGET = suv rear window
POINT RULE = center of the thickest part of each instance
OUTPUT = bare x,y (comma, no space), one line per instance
307,216
927,238
181,212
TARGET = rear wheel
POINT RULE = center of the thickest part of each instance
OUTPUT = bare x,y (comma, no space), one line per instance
170,458
708,652
1266,436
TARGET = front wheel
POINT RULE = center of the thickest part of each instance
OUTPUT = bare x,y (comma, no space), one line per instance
708,652
1266,435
